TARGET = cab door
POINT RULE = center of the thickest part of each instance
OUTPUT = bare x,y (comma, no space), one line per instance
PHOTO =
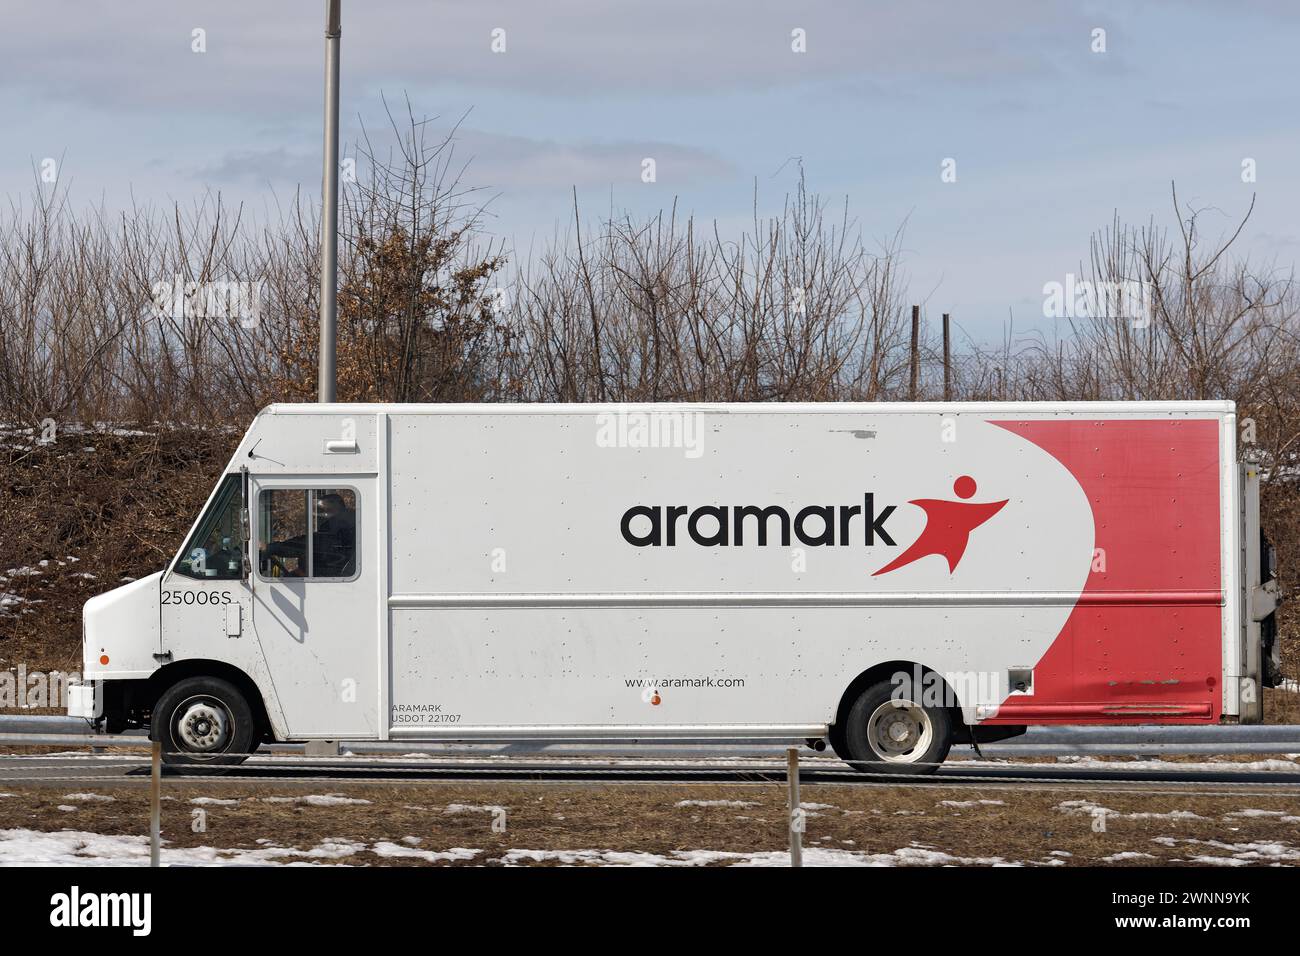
314,604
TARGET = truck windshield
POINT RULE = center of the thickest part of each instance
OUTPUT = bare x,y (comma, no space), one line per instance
215,550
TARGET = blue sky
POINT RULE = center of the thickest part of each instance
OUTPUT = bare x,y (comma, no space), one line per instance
1049,137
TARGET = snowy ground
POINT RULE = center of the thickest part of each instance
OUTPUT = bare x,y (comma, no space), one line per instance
690,826
79,848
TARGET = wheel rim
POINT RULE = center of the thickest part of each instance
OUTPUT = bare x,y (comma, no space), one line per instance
202,726
900,731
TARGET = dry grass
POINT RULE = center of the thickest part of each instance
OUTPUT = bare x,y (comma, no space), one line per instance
1023,826
94,508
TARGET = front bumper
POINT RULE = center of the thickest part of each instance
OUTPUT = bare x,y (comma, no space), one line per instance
85,700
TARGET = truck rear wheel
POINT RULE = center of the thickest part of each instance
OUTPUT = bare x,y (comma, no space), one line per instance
885,733
203,721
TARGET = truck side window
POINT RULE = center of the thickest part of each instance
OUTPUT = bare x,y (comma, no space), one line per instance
216,550
308,533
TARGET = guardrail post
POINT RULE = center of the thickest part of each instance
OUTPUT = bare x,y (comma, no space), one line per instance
796,816
155,806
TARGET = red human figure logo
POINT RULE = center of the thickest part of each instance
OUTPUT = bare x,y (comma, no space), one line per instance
948,526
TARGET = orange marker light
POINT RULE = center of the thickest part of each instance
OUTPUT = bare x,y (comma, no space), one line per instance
103,658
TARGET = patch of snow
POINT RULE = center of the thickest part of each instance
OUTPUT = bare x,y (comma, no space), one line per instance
1239,853
1126,855
971,803
80,848
214,802
812,856
328,850
739,804
1092,809
90,797
334,800
320,800
393,851
471,808
1280,815
9,601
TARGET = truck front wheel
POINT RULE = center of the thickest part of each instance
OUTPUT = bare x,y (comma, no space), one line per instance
887,733
203,721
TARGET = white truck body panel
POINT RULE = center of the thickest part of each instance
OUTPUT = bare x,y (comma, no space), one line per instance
506,584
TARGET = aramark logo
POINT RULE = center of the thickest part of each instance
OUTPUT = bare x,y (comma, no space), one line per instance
948,526
714,526
947,530
75,908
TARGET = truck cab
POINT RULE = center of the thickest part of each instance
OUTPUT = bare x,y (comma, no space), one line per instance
218,652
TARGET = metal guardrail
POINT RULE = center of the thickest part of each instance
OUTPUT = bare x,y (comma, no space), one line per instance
795,812
34,730
1138,740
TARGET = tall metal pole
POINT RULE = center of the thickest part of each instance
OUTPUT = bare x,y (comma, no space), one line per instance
155,805
915,353
947,361
329,226
796,815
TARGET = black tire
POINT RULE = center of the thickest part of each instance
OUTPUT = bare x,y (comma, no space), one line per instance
220,724
835,736
871,748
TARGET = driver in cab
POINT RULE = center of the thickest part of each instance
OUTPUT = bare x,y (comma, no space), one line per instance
333,543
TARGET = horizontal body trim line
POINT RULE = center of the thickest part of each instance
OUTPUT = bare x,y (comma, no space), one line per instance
579,732
1029,712
815,599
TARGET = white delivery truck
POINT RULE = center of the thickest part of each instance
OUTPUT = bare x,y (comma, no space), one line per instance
893,577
